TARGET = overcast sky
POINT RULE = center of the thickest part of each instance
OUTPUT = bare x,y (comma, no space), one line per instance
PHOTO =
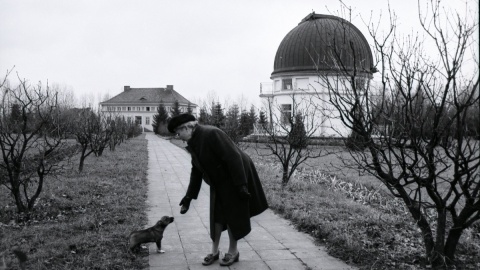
228,47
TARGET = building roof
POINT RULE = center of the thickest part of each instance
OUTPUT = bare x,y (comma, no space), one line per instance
148,95
318,42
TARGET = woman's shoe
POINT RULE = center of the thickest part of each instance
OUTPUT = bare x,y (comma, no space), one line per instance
211,258
229,259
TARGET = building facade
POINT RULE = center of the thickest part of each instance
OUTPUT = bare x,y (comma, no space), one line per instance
314,58
141,104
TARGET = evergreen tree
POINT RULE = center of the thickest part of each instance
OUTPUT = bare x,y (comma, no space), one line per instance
245,124
262,118
175,110
203,117
160,119
297,136
231,126
16,118
252,119
218,117
262,121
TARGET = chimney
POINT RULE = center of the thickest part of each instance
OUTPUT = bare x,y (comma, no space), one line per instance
169,87
126,88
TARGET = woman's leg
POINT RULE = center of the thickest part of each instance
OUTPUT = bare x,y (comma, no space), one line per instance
232,249
216,238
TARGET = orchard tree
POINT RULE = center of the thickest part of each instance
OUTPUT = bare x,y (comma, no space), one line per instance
290,133
86,126
32,144
426,97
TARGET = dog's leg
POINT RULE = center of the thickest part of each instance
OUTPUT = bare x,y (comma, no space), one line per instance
159,246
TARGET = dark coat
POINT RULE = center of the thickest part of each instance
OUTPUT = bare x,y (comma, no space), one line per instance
224,167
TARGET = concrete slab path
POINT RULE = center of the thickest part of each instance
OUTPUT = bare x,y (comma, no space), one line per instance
272,244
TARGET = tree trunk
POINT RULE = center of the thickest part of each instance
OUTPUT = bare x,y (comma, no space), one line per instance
100,151
422,223
438,256
82,158
31,202
285,176
18,199
452,242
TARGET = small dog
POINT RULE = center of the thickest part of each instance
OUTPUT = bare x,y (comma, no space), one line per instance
152,234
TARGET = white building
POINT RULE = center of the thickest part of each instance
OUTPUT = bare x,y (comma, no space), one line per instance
320,50
141,104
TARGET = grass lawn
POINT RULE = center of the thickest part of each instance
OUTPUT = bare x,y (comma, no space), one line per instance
336,207
81,221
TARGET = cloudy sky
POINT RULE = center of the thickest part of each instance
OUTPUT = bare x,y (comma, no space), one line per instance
201,47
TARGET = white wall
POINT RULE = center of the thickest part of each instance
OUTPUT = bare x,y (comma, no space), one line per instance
143,113
311,97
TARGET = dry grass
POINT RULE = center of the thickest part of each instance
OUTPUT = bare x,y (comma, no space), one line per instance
82,220
351,215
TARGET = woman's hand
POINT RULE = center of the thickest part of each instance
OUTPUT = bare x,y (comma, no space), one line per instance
185,203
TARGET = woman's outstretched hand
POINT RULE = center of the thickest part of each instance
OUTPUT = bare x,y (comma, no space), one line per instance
185,203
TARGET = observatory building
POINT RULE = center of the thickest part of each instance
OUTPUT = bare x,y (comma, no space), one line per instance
319,54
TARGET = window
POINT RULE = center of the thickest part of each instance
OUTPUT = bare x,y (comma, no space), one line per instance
302,84
286,113
129,119
147,120
287,84
138,108
277,85
124,108
119,108
148,109
128,109
138,120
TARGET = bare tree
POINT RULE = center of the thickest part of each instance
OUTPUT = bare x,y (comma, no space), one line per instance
289,133
32,141
415,124
87,123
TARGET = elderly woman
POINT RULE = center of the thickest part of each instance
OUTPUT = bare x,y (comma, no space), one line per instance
236,193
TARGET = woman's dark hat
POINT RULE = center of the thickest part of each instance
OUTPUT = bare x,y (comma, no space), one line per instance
179,120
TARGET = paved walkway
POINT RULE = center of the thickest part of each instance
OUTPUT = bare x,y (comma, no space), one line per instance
272,244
